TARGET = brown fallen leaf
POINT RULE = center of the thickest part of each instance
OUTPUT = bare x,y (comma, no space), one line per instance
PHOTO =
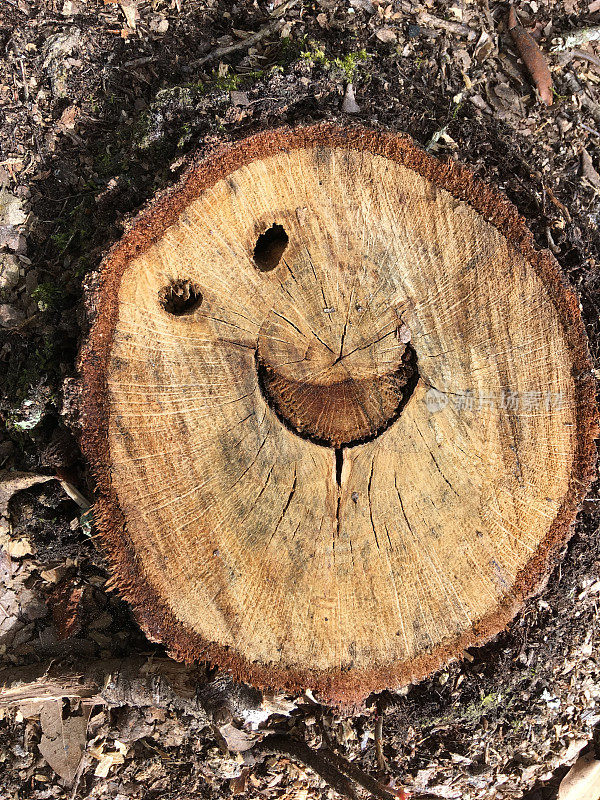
532,56
237,740
10,484
108,757
483,48
68,119
130,10
386,35
65,603
349,104
238,785
587,169
63,740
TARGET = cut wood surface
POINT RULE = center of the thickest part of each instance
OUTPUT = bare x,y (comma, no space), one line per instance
339,409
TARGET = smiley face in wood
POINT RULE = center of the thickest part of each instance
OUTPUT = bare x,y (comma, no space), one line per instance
339,410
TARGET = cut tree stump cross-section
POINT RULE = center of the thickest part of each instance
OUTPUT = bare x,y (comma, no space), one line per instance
340,411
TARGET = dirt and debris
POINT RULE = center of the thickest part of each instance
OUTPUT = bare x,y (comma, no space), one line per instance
103,104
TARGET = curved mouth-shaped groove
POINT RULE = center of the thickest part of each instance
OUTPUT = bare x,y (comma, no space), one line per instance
405,376
180,297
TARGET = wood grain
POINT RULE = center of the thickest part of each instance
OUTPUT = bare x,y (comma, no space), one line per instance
303,559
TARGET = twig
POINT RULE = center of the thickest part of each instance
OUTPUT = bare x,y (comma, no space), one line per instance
133,681
456,28
555,201
379,741
586,56
575,87
241,45
588,129
24,77
358,775
333,768
285,745
575,39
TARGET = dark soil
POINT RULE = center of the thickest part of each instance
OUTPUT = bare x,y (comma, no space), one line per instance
102,105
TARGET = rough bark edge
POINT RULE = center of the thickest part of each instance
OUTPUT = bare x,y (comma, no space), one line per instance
154,616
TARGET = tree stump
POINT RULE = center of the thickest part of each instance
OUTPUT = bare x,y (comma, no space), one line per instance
339,409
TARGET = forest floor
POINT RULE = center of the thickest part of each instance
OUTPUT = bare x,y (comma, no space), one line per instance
102,104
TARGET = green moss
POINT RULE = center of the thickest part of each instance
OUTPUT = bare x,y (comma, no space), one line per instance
41,362
347,64
289,50
73,230
487,704
470,714
228,81
316,54
48,296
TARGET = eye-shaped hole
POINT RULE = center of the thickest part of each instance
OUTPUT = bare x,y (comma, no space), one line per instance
269,247
180,297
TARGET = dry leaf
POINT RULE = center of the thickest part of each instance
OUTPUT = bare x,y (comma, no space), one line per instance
10,484
63,740
11,210
532,58
483,48
65,603
237,741
587,169
349,105
238,785
68,119
108,758
131,13
385,35
441,140
582,781
17,548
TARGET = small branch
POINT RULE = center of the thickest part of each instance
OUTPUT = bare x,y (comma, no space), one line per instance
379,742
575,39
244,44
333,768
586,101
424,17
555,201
285,745
585,56
361,777
134,681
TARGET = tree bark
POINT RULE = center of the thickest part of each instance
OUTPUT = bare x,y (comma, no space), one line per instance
135,681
